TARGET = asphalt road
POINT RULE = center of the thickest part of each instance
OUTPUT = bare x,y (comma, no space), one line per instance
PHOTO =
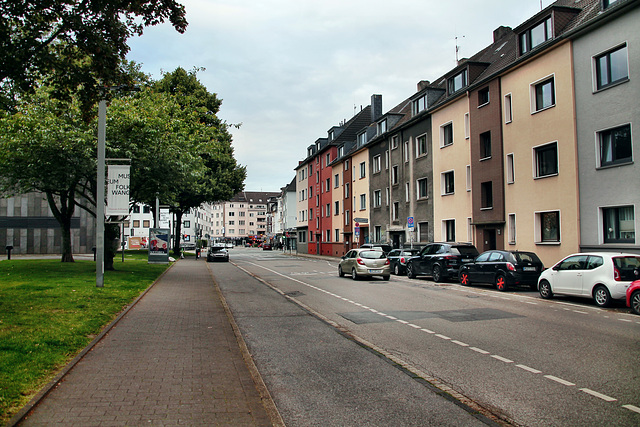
333,351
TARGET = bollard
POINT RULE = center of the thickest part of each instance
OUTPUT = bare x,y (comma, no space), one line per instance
9,248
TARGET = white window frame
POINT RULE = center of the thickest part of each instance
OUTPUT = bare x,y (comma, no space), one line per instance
443,179
445,229
420,152
406,153
467,126
538,228
468,177
363,202
594,66
535,160
377,198
395,141
377,164
395,175
363,169
533,93
424,196
511,229
510,168
508,108
442,134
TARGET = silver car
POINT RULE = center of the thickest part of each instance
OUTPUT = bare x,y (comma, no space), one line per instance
365,262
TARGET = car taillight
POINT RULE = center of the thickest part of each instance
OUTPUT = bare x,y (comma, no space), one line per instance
510,267
402,260
449,259
387,262
360,261
616,274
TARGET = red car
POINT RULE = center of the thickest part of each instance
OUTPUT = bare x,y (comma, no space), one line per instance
633,296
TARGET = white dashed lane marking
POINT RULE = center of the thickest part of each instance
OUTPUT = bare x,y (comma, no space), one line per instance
464,345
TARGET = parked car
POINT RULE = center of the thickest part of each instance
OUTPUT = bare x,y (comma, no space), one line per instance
364,262
217,253
381,246
441,260
504,269
398,260
603,276
633,296
266,247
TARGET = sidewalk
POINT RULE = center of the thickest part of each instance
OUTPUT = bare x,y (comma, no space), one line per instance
171,359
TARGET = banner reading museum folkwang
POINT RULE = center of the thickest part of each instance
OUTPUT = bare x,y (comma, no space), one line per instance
117,190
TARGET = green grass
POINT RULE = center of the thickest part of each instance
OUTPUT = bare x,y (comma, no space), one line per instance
50,311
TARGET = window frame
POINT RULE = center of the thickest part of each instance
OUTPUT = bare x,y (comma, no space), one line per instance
537,93
537,151
597,72
445,183
486,195
422,148
524,39
451,82
422,184
377,163
599,147
508,108
540,238
485,145
511,229
444,142
377,198
616,211
483,97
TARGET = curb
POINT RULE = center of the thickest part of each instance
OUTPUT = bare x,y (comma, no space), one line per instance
44,391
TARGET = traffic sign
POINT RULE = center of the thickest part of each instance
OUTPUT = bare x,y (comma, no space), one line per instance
410,222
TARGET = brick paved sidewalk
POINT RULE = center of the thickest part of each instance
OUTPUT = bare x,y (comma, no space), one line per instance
172,359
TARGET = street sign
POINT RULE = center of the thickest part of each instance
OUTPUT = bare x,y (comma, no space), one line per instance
410,222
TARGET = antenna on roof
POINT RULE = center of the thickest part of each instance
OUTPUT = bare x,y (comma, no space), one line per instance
457,48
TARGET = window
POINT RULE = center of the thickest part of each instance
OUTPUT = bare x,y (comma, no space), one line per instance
486,195
382,127
386,160
423,231
146,209
328,209
136,223
407,191
328,233
619,225
543,95
511,173
363,170
395,140
136,208
457,82
615,146
362,139
607,3
387,196
377,198
446,134
469,230
146,223
406,151
336,181
546,160
547,227
422,189
346,190
468,177
346,217
421,145
467,126
511,229
336,207
420,104
396,211
485,145
394,175
328,159
508,109
447,183
535,36
337,231
612,67
449,229
363,202
328,185
341,151
377,233
483,96
376,164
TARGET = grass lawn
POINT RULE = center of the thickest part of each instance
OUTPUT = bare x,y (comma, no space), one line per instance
50,311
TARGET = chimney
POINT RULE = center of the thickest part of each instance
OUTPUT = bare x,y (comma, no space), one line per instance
376,107
422,84
500,32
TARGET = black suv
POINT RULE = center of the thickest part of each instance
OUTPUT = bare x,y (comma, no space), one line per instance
441,260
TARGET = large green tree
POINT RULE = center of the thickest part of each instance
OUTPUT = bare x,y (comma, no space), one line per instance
77,47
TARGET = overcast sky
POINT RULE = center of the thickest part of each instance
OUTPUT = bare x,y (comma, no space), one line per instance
288,70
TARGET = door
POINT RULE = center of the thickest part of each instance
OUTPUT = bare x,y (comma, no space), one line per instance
489,239
567,277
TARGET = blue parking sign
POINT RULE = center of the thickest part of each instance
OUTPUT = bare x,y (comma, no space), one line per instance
410,222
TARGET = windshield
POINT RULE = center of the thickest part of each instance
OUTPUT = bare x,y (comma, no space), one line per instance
372,254
627,265
525,257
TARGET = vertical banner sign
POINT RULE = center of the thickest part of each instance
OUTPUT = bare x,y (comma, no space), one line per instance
118,190
158,246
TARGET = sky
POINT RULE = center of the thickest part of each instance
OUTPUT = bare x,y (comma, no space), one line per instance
289,70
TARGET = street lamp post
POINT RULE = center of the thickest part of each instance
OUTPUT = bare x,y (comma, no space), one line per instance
102,124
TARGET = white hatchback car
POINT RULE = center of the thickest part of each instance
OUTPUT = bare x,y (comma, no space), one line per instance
603,276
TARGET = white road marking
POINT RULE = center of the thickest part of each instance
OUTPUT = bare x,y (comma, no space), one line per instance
429,331
460,343
526,368
502,359
479,350
559,380
444,337
632,408
598,395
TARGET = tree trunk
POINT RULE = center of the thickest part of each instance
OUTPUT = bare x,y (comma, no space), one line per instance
111,234
63,215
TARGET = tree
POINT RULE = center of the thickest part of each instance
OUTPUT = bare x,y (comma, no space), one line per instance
220,177
45,146
77,47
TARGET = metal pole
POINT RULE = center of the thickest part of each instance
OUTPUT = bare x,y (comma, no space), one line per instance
102,124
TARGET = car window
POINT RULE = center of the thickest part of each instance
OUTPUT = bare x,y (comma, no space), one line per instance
442,249
394,252
576,262
524,257
483,257
594,262
372,254
409,253
625,266
467,250
495,257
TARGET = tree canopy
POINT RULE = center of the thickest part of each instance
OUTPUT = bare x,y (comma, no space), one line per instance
76,47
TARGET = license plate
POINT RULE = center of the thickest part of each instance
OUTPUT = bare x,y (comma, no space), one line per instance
375,271
466,260
528,269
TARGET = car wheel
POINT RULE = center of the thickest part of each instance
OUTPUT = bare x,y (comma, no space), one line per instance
354,275
410,273
396,270
463,277
635,302
501,283
436,273
545,290
601,296
386,278
340,272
